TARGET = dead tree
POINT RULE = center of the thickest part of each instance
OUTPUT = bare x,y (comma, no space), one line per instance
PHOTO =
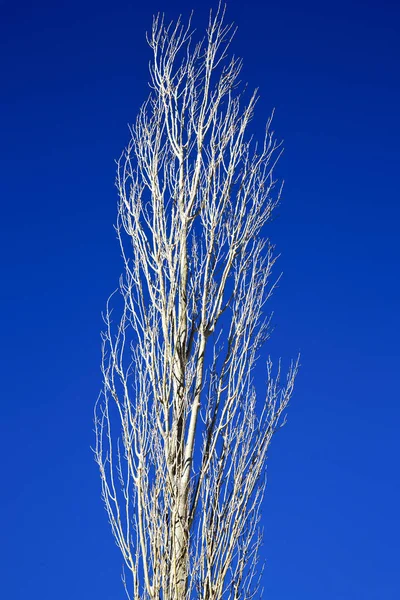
181,441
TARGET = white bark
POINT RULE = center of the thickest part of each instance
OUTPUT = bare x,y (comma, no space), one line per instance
181,442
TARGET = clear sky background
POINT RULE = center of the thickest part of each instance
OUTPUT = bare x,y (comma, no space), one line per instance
73,75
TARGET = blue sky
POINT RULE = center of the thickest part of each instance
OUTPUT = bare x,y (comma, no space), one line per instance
73,75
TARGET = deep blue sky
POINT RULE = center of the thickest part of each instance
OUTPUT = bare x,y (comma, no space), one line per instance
73,75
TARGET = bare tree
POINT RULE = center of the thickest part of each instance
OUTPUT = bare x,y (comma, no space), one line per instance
180,440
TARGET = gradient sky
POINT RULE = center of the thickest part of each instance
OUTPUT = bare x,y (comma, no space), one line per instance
73,76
